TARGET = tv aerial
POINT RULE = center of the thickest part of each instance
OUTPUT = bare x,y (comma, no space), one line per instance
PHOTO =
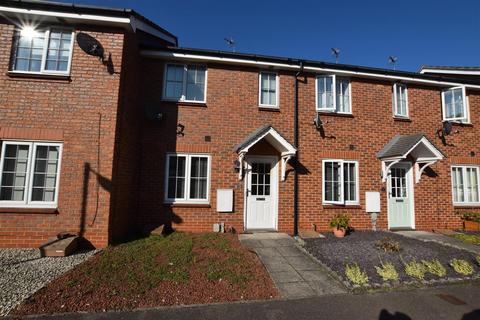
336,53
231,43
393,61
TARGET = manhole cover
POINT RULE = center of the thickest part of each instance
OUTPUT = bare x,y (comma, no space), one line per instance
451,299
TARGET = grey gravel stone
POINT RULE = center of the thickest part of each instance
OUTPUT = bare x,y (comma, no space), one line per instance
23,272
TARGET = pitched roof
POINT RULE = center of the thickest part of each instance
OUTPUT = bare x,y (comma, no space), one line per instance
399,146
262,132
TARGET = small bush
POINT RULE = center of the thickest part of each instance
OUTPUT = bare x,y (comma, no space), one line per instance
340,222
415,269
435,267
388,245
461,267
355,274
387,271
471,216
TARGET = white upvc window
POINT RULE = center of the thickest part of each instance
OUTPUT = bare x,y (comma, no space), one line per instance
400,100
185,82
465,184
340,182
30,174
268,89
333,94
43,51
187,178
454,104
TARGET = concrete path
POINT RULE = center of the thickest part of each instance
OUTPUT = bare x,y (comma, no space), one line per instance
459,302
294,273
441,238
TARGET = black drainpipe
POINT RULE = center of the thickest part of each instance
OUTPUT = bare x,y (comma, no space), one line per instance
295,143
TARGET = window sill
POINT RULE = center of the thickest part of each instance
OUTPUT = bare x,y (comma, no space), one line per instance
401,119
335,114
272,109
460,124
466,206
29,210
33,75
188,205
185,103
341,206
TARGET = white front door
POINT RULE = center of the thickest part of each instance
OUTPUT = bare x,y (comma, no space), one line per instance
400,196
261,193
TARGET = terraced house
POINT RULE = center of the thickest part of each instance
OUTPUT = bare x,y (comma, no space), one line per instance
108,127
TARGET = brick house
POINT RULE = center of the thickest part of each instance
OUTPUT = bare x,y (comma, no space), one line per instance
195,138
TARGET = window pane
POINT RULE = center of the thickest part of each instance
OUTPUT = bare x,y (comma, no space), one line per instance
457,175
325,92
45,173
14,172
174,82
268,88
343,96
454,104
176,177
198,178
349,176
332,183
195,83
57,60
29,50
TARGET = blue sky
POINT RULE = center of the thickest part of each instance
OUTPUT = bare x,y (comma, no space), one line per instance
367,32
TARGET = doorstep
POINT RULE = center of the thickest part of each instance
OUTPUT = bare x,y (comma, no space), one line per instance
295,274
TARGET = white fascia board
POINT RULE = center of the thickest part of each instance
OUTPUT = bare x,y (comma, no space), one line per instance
187,56
65,15
138,24
449,71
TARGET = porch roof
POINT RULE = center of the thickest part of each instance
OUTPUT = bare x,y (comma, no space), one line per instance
416,145
272,136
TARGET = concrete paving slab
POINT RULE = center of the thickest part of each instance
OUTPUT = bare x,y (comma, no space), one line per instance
320,289
290,251
277,242
286,276
268,252
303,263
314,275
296,290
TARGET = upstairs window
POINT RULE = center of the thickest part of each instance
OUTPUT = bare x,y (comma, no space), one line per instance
454,104
269,89
29,174
42,51
340,182
333,94
400,100
185,83
465,184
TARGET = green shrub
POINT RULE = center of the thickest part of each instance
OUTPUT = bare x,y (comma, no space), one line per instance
388,245
387,271
461,267
355,274
471,216
415,269
340,221
435,267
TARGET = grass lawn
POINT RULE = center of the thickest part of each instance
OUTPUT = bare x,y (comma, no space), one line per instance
384,259
182,268
473,238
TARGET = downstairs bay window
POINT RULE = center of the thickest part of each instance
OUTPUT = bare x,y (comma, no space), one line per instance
29,174
187,178
340,182
465,185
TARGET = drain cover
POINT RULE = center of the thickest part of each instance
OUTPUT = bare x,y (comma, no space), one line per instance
451,299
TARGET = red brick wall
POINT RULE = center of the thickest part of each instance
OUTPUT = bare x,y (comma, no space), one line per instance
231,113
73,106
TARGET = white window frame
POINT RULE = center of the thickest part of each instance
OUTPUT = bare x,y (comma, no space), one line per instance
184,83
188,160
43,63
277,87
466,118
342,201
334,88
464,175
395,101
27,203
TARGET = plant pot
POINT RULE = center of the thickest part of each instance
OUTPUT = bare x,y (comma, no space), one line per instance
339,233
471,225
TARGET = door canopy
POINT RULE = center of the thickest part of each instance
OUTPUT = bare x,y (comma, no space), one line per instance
415,147
274,138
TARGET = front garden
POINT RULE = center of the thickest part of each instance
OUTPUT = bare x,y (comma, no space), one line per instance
179,269
368,259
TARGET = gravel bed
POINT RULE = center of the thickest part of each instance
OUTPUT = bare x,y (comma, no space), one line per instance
23,272
360,247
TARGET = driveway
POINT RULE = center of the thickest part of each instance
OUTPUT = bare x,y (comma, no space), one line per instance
295,274
23,272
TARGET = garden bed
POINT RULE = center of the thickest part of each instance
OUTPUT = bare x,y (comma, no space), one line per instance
361,248
182,269
468,237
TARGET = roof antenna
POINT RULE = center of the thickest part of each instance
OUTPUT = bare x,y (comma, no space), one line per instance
231,43
393,61
336,53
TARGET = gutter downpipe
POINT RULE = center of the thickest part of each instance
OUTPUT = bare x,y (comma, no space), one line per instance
295,143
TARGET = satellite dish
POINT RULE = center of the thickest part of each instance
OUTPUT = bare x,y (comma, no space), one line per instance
447,128
90,45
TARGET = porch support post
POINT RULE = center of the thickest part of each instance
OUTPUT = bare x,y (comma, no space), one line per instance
240,170
419,170
285,160
386,168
